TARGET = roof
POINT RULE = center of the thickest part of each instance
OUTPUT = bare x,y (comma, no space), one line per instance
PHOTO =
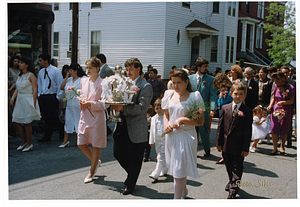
198,24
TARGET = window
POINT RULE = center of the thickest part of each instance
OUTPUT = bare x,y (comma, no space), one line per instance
229,8
233,8
216,7
259,37
260,9
231,50
186,4
214,49
247,7
178,37
70,6
55,6
70,41
240,6
55,44
95,5
95,43
227,49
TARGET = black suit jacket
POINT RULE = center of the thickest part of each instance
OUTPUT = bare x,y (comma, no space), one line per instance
252,94
234,133
267,91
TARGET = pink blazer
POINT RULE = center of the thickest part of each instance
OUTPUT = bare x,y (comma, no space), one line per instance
92,130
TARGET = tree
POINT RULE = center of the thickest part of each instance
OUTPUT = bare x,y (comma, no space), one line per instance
281,23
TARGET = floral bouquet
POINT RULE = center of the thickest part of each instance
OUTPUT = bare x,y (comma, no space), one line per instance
279,113
72,93
195,110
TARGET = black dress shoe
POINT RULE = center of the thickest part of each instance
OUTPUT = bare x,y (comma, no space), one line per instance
127,191
231,196
146,159
207,154
227,187
44,140
222,162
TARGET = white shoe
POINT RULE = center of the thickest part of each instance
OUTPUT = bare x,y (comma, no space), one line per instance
259,141
88,180
21,147
28,148
64,145
252,149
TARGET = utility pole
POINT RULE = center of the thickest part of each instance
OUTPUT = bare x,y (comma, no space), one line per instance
75,16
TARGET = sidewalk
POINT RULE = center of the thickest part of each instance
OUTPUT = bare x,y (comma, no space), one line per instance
52,173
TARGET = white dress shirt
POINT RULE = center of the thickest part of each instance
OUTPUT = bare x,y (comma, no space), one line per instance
56,80
238,105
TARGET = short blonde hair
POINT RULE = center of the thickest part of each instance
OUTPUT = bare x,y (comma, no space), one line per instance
94,61
239,86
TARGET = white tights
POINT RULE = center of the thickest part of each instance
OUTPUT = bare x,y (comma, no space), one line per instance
180,190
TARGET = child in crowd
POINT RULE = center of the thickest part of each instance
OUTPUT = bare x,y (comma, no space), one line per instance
156,132
234,135
258,132
267,124
148,147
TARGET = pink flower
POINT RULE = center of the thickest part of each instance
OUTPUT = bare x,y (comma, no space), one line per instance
286,94
266,83
68,88
240,113
250,88
200,111
136,89
226,91
237,80
204,82
221,94
72,87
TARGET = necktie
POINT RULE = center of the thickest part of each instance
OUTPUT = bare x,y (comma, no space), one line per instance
234,110
46,73
199,80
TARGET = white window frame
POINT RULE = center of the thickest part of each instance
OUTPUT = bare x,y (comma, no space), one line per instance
260,10
95,7
55,46
97,43
227,53
55,4
216,3
259,36
231,49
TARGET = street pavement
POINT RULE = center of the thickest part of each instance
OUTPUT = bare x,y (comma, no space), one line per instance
52,173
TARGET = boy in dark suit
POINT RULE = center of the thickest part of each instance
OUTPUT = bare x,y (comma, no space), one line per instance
234,135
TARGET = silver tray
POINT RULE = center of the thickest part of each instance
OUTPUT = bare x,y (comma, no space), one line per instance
118,103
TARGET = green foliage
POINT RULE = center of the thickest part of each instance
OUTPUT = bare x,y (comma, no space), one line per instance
242,63
281,23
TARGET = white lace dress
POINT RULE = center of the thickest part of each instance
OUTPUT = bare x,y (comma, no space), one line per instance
181,144
24,111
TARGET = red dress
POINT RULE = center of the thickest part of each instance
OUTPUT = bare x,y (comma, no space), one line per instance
282,125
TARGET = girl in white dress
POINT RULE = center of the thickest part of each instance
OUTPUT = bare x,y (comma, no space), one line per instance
180,132
267,124
72,114
26,107
258,131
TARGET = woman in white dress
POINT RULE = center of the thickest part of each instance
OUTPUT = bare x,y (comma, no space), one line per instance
181,136
72,116
26,108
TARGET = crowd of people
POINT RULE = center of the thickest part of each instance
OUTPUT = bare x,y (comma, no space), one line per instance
175,116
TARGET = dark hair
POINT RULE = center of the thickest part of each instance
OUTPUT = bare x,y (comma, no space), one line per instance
45,56
174,66
222,82
149,66
218,69
150,110
154,71
272,69
135,62
101,57
76,66
280,76
11,62
264,69
63,70
200,61
184,76
52,61
28,62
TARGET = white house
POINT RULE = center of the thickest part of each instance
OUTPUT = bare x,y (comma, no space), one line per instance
162,34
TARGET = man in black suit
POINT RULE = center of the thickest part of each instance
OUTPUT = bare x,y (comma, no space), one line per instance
234,135
252,88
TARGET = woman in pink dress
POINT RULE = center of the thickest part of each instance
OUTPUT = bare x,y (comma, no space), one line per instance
92,123
284,95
